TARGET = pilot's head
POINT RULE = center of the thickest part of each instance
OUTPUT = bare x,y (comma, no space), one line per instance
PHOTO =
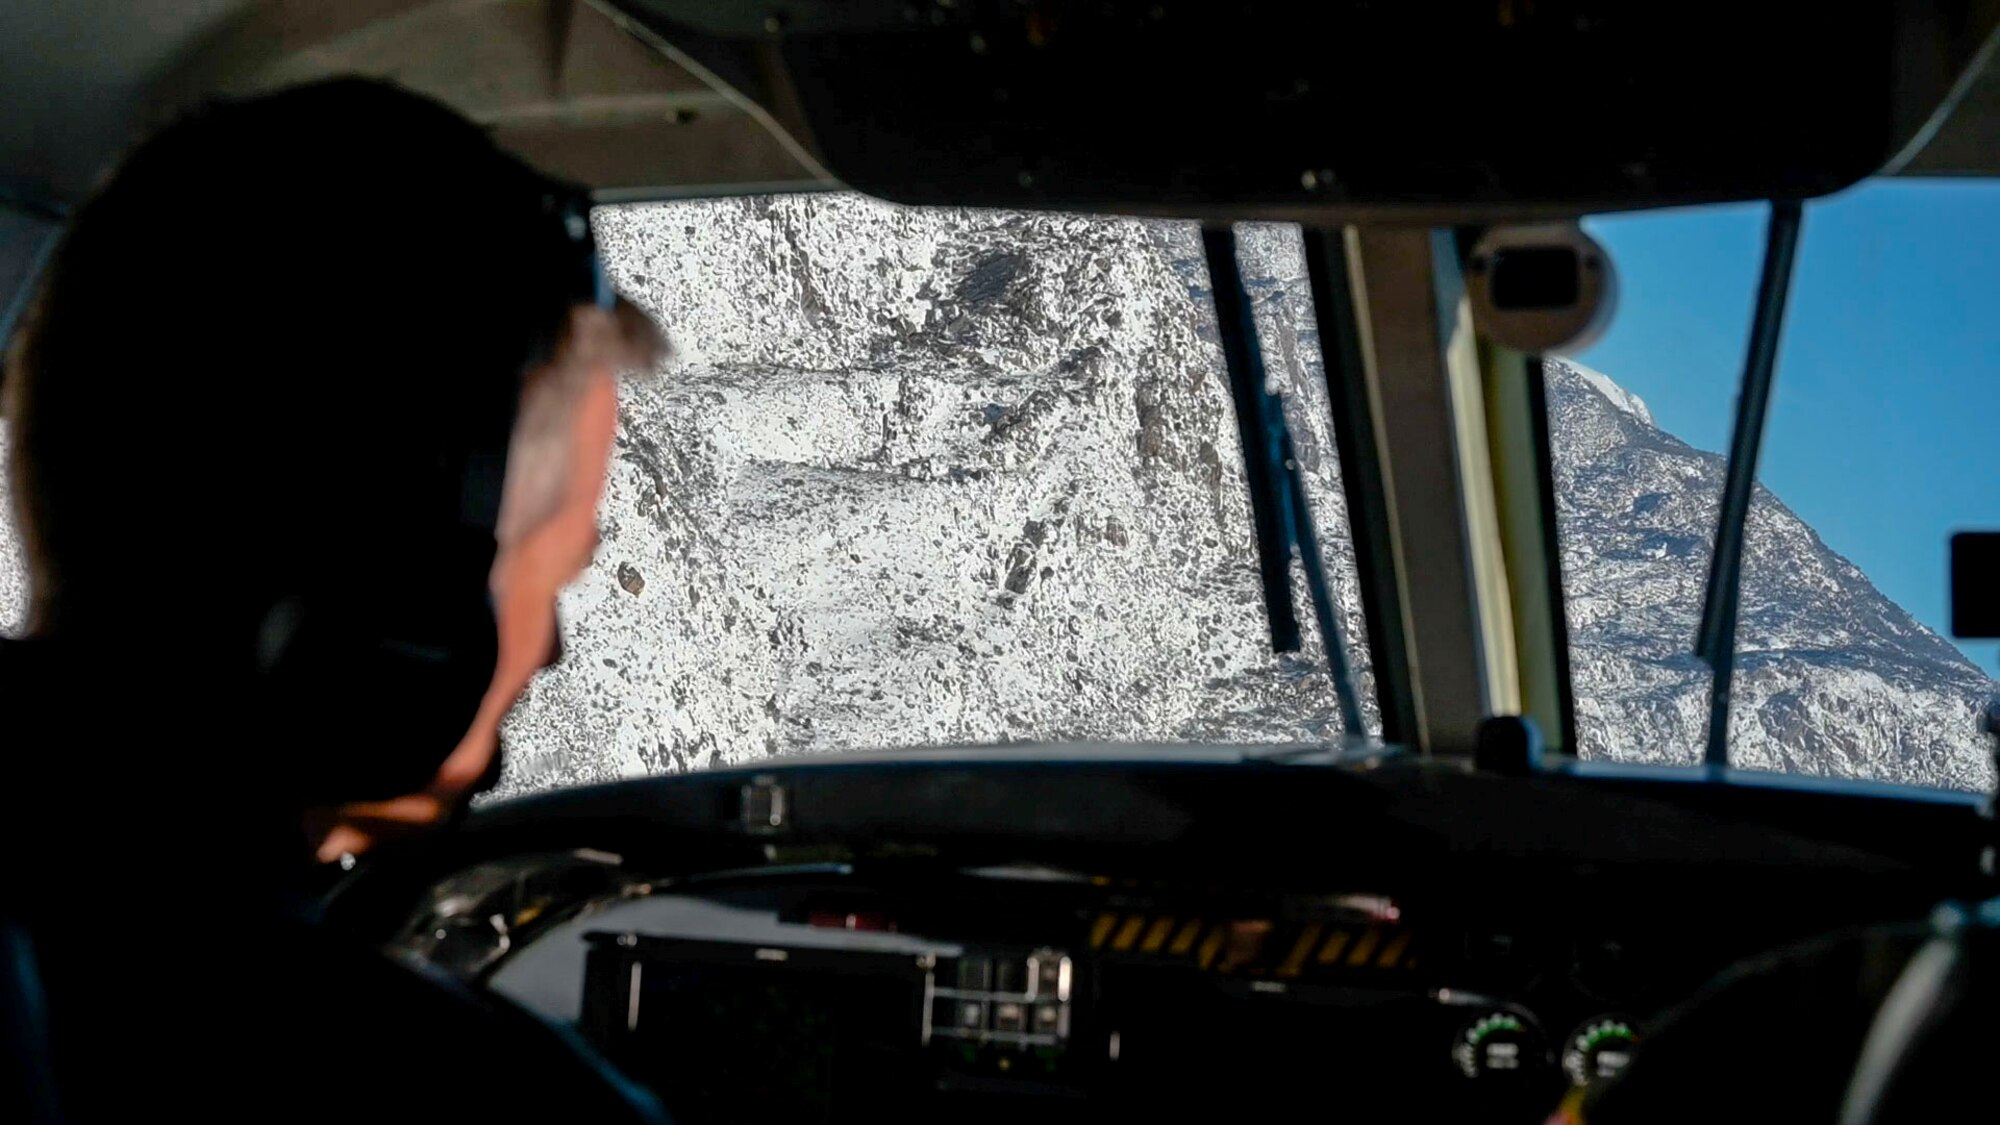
309,423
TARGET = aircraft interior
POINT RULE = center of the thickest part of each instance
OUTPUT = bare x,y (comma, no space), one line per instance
1452,917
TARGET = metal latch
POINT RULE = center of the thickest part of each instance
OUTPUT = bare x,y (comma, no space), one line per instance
765,808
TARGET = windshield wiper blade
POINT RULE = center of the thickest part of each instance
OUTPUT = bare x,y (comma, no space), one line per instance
1716,641
1305,539
1278,505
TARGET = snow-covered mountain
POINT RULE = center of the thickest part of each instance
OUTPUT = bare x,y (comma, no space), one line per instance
931,476
921,477
1832,677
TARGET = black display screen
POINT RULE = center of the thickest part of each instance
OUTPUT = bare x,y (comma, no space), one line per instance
726,1032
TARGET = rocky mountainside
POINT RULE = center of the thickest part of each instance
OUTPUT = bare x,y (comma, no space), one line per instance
1832,678
918,478
932,476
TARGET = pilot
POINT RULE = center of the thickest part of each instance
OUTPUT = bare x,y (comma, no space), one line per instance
307,428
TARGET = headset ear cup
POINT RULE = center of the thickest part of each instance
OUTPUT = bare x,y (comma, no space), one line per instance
423,699
366,701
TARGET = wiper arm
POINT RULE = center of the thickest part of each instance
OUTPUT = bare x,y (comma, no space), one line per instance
1716,642
1278,506
1305,541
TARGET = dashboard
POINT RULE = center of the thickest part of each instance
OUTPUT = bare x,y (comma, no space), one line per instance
1449,945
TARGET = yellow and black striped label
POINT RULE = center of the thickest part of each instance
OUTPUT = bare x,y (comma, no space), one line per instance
1256,946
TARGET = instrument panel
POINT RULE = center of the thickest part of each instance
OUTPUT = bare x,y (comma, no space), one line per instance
1137,1009
883,938
800,995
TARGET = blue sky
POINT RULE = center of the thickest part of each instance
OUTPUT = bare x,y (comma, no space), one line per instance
1885,417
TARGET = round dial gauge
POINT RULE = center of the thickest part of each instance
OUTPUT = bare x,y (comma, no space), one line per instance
1598,1049
1499,1044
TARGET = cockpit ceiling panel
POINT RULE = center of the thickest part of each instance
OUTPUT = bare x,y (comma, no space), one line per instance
1347,110
1353,110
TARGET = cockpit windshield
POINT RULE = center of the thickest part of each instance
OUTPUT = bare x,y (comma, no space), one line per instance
922,476
932,477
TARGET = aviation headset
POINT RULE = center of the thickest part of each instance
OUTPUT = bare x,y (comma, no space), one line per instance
375,681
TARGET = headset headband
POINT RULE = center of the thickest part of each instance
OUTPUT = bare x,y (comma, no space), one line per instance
484,470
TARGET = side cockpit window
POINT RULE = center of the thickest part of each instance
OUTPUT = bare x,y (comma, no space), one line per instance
1874,454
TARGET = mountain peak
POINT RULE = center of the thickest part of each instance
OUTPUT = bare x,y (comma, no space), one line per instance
1620,398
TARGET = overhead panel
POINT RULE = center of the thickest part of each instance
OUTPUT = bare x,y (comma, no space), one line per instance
73,77
1351,111
570,85
1953,51
1347,111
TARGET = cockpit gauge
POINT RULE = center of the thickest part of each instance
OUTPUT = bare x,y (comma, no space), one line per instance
1598,1049
1500,1044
